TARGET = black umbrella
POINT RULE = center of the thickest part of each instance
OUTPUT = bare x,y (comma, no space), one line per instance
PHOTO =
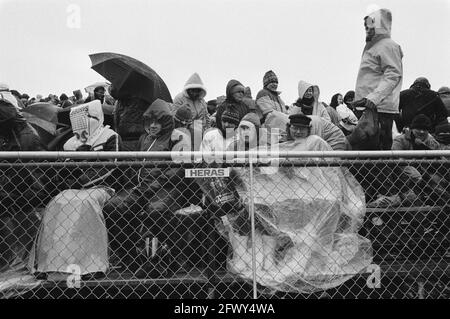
130,77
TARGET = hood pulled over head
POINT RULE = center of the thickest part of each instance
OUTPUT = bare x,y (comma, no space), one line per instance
159,111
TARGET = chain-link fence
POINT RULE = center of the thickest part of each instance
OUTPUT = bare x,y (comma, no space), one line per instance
143,225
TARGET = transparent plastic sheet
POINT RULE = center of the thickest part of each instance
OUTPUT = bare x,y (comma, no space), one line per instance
73,233
307,219
15,277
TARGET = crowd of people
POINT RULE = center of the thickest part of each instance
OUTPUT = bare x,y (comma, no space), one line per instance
377,115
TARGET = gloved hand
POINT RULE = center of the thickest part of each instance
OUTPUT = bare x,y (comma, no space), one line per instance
362,104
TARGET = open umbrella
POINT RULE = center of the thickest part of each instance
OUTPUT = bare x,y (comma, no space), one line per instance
130,76
42,115
44,118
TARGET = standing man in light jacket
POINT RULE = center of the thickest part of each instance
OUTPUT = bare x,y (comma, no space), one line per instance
380,74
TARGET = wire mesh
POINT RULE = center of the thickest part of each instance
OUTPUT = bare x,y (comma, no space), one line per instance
75,227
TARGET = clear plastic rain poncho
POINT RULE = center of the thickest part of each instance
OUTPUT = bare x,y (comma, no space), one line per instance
307,222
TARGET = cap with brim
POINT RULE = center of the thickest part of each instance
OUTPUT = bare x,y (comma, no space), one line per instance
299,120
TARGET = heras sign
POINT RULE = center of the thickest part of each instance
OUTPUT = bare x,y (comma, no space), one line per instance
207,172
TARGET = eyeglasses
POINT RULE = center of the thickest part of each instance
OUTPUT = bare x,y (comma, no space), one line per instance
298,128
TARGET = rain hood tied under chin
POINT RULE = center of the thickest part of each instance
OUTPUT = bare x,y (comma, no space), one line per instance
307,222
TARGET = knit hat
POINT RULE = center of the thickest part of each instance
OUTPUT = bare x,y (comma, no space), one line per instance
231,117
269,77
183,115
299,119
423,82
421,122
252,118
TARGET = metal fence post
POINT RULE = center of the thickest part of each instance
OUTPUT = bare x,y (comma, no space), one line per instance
252,217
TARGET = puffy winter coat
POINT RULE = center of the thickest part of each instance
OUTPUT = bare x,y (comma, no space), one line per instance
268,99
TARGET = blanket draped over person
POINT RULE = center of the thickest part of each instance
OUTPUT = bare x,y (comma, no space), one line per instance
307,222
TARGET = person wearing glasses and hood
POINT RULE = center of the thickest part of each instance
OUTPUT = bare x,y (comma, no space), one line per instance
193,96
309,94
380,75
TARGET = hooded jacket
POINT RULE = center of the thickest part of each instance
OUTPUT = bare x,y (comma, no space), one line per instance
198,108
153,180
238,107
160,111
381,71
318,107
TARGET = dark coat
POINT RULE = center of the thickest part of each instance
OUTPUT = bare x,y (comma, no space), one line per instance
416,101
166,187
240,108
128,121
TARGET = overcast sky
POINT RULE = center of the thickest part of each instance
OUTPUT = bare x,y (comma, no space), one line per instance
45,47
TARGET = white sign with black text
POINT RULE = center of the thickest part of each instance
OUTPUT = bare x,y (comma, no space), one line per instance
207,172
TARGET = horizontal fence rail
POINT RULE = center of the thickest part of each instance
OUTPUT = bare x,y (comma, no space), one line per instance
219,154
365,224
